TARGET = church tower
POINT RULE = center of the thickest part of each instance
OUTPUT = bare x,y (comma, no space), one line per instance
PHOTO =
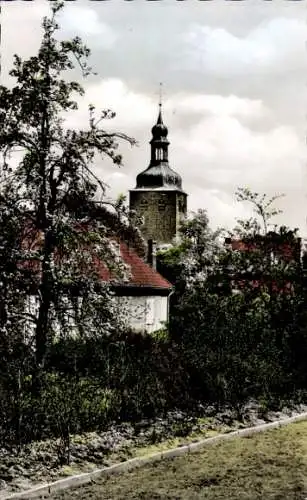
158,197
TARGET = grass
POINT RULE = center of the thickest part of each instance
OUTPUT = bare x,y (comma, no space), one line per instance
270,465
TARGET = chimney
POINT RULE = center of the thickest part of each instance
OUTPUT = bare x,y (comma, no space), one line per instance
151,254
228,243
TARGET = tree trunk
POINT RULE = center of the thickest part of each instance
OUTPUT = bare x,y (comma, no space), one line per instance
42,326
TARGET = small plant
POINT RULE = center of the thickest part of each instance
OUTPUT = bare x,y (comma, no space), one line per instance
155,437
161,335
263,408
182,429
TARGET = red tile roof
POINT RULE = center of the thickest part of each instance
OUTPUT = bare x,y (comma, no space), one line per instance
141,274
286,250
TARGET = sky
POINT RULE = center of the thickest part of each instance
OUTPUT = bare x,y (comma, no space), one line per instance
234,92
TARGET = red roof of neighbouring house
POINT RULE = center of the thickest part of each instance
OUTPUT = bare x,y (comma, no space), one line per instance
288,250
141,273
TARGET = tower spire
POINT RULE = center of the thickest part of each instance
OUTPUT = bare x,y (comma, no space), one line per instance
160,121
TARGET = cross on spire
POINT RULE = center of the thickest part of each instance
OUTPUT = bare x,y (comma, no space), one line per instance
160,121
160,95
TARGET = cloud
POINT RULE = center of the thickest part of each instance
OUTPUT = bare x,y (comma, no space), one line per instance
136,110
219,154
21,31
83,21
265,49
133,110
226,153
218,105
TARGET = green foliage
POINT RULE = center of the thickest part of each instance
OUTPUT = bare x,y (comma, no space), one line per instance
238,325
170,263
264,209
191,261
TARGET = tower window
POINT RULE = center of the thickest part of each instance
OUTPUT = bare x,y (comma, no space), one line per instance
159,154
144,204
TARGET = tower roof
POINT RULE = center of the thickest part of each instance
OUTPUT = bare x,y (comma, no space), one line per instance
157,177
159,174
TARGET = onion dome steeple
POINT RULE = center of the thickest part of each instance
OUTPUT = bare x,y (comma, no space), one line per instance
159,174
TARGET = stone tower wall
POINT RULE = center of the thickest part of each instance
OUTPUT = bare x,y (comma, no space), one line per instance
161,212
